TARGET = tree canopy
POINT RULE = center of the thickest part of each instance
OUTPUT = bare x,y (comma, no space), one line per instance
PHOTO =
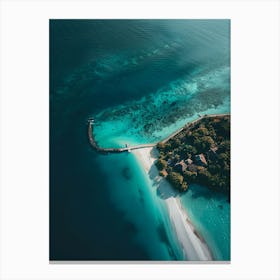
209,140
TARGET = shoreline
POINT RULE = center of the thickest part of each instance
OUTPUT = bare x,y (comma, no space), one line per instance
140,146
193,245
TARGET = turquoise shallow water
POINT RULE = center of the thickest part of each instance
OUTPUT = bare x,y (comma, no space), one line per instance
158,114
210,214
154,117
133,194
208,211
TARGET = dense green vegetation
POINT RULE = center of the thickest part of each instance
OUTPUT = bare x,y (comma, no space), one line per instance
199,154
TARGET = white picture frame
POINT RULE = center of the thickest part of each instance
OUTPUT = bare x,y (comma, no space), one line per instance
24,138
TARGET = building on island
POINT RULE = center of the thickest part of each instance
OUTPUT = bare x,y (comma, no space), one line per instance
212,153
180,166
200,159
192,167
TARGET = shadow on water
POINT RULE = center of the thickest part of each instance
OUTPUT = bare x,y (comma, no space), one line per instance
165,191
126,173
130,227
141,196
198,191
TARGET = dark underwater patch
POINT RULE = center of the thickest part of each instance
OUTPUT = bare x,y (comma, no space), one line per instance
126,173
164,239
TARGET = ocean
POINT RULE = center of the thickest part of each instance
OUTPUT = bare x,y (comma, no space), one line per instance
141,80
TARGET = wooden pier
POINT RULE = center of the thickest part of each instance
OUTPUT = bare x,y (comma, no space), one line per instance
112,150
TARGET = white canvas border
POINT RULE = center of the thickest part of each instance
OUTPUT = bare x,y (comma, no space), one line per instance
24,138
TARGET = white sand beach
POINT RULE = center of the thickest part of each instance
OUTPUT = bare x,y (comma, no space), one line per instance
193,246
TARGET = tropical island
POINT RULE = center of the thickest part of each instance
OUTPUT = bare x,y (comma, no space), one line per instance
198,154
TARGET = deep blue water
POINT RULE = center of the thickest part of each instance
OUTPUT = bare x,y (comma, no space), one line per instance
141,79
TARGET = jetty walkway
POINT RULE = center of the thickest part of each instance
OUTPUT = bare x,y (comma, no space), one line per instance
112,150
129,148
